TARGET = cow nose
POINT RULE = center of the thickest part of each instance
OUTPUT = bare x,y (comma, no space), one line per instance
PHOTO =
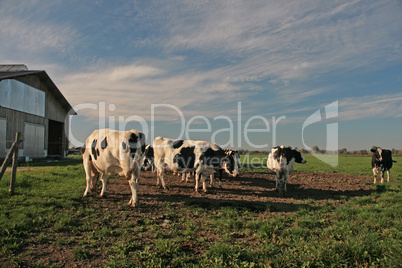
304,161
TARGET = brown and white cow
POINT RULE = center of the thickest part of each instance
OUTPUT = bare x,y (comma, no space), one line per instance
381,161
112,152
184,156
281,160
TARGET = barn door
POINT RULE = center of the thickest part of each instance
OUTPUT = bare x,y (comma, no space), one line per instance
55,139
34,140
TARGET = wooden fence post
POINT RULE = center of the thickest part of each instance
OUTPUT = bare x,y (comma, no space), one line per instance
8,158
15,163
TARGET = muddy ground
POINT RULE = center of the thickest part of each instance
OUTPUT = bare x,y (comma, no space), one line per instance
248,190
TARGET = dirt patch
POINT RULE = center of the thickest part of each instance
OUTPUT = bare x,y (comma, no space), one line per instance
250,189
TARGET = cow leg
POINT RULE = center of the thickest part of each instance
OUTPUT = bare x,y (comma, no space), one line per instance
388,175
382,176
159,173
277,177
204,185
134,182
104,182
212,180
375,175
220,177
184,177
161,179
90,177
197,177
286,175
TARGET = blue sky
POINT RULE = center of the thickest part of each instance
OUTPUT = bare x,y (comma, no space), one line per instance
226,67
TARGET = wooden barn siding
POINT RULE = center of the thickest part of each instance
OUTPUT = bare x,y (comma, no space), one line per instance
53,111
16,121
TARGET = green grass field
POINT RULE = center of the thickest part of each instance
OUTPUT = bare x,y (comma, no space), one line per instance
47,223
346,164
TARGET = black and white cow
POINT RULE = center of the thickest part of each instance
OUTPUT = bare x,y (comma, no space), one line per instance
233,156
381,161
184,156
281,160
112,152
148,163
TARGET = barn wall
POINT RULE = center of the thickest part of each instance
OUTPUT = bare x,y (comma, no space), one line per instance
53,110
16,121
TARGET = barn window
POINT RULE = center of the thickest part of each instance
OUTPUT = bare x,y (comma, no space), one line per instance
19,96
3,136
34,140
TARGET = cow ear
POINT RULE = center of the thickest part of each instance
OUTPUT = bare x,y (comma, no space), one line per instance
296,149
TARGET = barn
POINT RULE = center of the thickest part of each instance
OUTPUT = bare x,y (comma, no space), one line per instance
32,104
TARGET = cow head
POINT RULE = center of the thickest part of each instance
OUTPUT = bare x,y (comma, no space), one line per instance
231,162
298,157
377,151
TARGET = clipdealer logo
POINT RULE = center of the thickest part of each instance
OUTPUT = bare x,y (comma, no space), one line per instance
331,155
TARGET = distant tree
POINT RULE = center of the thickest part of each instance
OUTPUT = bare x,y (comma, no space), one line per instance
316,149
343,151
304,151
363,152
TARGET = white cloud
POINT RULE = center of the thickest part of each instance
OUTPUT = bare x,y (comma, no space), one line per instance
207,54
31,36
293,39
134,88
371,107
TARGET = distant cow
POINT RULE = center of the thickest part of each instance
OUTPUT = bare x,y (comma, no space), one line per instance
184,156
112,152
281,160
381,161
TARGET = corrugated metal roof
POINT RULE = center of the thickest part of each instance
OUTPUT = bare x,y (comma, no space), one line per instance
13,67
10,75
46,80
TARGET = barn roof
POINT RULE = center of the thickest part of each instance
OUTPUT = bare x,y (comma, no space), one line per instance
45,79
13,67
